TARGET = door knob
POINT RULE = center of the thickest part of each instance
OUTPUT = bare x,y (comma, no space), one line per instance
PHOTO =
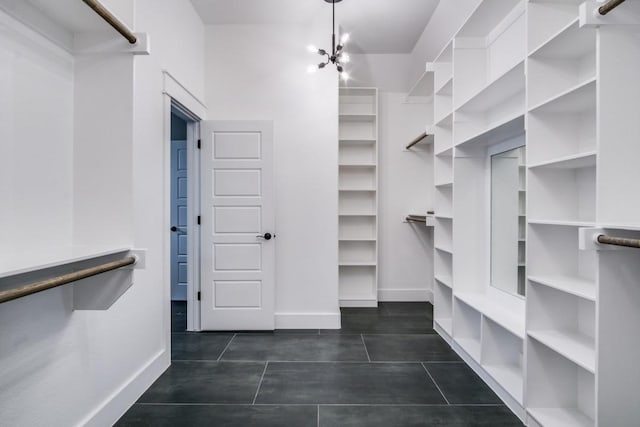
266,236
174,228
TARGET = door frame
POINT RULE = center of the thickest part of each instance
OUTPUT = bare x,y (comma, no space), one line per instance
193,210
178,99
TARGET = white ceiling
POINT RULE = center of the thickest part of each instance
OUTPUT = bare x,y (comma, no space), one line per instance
376,26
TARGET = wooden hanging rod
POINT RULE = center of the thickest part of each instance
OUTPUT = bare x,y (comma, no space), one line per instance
416,218
609,6
618,241
422,136
110,18
54,282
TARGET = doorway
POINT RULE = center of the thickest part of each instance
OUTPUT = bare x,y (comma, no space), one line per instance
184,238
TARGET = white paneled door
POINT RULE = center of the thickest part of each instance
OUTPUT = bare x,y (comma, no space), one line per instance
238,247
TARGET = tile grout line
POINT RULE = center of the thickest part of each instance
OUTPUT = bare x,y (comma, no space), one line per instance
365,348
379,362
226,347
318,418
260,383
435,383
402,405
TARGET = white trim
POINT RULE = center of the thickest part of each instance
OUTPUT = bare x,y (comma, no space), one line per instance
180,93
193,208
118,402
405,295
307,320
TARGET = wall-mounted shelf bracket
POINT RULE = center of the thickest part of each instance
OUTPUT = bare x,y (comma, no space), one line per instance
107,43
609,239
626,14
424,136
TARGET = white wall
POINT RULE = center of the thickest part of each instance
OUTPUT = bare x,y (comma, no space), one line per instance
36,147
405,177
259,73
387,72
60,367
406,186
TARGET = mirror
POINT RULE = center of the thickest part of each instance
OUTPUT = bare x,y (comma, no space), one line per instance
508,220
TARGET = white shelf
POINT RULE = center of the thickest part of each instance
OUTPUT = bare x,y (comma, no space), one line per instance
445,120
572,285
367,118
447,217
423,86
357,214
447,87
506,128
506,86
357,165
576,161
357,263
445,280
510,377
358,91
576,99
31,260
561,223
488,15
560,417
447,250
512,322
446,153
570,42
356,189
355,239
358,140
444,184
577,348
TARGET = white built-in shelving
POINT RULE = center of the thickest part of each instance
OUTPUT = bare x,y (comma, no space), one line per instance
65,48
562,149
358,197
556,75
443,179
480,86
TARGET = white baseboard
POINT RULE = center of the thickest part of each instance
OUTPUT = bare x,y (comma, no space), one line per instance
308,320
405,295
121,400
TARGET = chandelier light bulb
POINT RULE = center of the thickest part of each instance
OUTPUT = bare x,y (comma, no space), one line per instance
312,69
344,76
336,54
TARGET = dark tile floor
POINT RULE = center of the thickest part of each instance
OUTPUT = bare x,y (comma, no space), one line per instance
385,367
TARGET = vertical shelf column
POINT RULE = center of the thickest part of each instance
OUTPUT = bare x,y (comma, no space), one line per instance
561,194
358,197
443,178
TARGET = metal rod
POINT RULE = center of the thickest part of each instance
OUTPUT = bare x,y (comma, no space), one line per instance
111,20
609,6
618,241
416,218
417,140
64,279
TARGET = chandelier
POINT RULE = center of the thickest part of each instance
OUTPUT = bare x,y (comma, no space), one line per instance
336,55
